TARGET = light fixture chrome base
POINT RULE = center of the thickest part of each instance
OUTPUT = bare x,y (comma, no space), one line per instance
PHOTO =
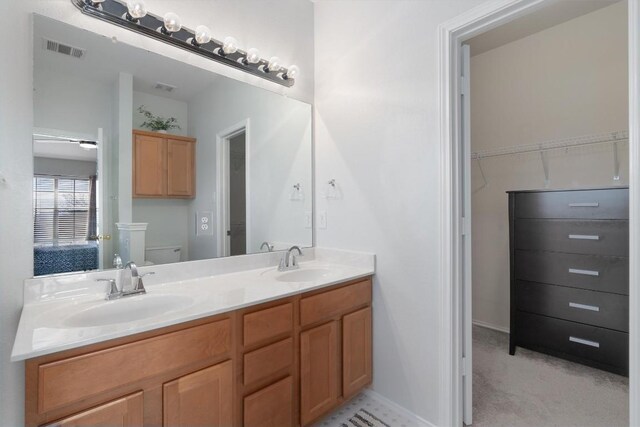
115,12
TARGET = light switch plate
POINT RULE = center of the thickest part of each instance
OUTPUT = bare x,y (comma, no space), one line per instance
204,223
322,219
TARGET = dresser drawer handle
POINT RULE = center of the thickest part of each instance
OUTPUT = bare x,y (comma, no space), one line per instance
584,342
584,237
584,205
584,272
584,306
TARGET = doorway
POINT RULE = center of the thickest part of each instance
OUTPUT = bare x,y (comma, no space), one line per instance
456,159
233,190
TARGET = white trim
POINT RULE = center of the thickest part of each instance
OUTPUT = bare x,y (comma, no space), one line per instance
132,226
399,409
490,326
634,212
222,184
452,33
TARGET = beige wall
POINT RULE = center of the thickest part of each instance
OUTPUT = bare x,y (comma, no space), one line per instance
567,81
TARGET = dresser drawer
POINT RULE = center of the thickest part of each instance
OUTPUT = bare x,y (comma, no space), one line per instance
578,305
267,361
594,272
267,324
587,204
573,236
604,348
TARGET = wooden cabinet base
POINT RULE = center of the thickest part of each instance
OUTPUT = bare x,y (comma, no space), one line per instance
255,367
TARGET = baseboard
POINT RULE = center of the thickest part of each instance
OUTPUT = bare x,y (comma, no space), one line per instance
399,409
490,326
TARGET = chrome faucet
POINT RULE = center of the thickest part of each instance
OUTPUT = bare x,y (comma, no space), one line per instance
131,283
289,261
268,245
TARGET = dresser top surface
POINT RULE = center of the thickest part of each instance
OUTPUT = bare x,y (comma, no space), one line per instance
549,190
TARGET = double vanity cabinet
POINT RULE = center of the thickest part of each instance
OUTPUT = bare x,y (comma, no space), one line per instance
282,363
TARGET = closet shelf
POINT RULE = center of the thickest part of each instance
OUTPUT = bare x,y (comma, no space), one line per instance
554,144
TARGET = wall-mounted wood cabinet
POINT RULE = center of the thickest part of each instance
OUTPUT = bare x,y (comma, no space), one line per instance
284,363
163,165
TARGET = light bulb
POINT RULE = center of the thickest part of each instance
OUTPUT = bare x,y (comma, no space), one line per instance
292,72
136,9
202,34
274,64
172,22
253,56
94,3
230,45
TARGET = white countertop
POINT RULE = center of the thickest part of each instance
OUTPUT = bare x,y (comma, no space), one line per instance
45,325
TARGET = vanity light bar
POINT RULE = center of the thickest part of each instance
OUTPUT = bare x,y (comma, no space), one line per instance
116,12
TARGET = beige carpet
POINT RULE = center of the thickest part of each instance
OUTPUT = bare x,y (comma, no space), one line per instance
534,390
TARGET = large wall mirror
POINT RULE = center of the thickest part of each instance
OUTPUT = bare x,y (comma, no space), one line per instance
231,174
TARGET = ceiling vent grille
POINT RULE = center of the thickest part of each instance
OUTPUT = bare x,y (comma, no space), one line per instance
54,46
164,86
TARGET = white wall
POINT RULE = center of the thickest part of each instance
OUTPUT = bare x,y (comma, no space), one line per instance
377,135
278,157
168,219
161,106
569,80
49,166
282,27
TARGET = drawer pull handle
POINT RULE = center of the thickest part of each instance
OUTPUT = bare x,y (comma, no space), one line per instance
585,342
584,272
584,237
584,306
584,205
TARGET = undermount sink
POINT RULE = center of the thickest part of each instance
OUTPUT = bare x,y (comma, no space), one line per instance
127,309
304,275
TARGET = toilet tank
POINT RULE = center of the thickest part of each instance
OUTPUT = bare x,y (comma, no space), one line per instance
163,254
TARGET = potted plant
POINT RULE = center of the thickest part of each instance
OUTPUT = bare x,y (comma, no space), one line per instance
157,123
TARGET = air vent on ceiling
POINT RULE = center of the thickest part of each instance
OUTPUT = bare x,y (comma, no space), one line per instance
54,46
165,87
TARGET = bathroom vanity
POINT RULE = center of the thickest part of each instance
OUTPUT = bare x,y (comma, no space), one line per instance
283,349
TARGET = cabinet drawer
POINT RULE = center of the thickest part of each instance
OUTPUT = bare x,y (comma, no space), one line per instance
270,407
576,237
127,411
266,324
587,204
595,272
266,361
578,305
332,303
70,380
606,348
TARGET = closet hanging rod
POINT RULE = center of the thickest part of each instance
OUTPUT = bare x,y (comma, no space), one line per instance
555,145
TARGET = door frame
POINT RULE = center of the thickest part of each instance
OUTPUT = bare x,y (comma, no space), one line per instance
222,184
451,36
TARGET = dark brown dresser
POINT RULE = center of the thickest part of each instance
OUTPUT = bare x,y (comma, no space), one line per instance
570,275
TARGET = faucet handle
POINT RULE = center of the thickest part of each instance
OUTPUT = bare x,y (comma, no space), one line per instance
112,288
139,284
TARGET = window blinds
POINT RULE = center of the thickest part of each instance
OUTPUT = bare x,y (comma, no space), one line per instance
60,209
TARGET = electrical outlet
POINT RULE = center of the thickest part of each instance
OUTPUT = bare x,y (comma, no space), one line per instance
204,223
308,223
322,219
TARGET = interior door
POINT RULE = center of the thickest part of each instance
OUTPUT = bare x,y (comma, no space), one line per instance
103,232
237,195
465,122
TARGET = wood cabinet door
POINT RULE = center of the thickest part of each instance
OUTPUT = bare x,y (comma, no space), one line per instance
203,398
180,168
148,166
124,412
356,351
319,371
270,407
